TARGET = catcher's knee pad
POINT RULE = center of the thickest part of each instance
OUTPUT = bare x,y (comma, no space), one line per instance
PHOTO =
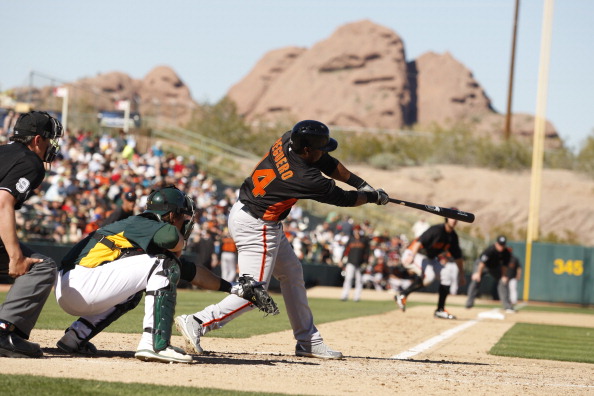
164,305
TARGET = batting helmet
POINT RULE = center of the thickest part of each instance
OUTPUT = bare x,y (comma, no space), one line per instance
313,134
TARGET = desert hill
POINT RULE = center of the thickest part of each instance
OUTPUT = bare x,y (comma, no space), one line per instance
499,199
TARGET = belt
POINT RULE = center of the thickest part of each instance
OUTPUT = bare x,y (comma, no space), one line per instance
248,211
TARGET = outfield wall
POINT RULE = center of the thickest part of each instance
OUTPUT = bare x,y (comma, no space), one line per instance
557,273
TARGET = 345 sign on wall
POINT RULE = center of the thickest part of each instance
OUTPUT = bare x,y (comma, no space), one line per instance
569,267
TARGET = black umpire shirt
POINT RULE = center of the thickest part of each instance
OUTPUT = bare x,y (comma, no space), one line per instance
283,177
21,171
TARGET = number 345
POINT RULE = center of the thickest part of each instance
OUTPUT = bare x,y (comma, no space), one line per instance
571,267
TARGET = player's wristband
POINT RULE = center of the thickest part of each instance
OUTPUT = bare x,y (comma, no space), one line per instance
355,181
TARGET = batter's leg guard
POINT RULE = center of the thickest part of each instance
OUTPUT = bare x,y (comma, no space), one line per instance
164,305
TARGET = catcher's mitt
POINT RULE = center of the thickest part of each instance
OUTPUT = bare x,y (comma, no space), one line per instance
248,289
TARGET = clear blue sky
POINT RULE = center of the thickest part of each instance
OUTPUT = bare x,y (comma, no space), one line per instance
214,44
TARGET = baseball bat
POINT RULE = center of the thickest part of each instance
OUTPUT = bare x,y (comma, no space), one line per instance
438,210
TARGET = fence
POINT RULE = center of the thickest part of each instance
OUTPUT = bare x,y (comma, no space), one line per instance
558,273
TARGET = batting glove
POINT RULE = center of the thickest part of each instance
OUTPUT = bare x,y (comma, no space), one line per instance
382,197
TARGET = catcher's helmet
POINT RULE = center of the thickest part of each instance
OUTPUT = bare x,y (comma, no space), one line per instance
313,134
169,199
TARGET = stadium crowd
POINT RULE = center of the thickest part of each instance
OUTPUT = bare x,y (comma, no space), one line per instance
93,174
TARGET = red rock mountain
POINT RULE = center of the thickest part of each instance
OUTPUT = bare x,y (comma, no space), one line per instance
359,77
161,93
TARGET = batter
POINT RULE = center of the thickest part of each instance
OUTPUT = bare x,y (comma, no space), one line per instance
293,169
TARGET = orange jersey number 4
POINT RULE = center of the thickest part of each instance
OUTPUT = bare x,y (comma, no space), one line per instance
261,179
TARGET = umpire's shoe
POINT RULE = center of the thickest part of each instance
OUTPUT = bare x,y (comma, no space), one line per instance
14,346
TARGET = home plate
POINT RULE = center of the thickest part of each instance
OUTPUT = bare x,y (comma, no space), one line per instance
494,314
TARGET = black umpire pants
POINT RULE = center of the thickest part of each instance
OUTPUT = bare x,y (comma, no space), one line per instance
28,294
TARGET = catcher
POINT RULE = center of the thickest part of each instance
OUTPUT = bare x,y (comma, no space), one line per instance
105,275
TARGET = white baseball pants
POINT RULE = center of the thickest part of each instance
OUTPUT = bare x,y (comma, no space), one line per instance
263,252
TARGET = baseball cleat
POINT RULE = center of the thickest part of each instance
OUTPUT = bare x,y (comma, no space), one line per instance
320,351
191,330
401,301
443,314
167,355
71,343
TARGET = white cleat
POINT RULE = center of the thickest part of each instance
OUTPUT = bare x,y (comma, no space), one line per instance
191,330
167,355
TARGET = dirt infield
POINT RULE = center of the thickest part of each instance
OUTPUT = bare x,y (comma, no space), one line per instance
458,363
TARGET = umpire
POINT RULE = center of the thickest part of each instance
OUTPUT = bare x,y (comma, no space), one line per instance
35,141
494,260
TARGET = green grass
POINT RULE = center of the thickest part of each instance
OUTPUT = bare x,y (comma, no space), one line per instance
575,344
252,323
533,341
43,386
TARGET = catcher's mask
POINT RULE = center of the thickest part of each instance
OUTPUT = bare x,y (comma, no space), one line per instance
41,123
171,199
313,134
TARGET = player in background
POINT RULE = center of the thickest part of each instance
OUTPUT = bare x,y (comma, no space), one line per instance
34,142
514,274
293,169
422,262
355,259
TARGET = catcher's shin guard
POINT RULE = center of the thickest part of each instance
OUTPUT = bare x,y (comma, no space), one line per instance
164,305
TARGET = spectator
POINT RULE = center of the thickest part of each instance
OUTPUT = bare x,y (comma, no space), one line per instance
123,211
202,247
228,257
376,274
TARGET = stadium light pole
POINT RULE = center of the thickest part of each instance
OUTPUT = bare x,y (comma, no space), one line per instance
507,131
538,139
